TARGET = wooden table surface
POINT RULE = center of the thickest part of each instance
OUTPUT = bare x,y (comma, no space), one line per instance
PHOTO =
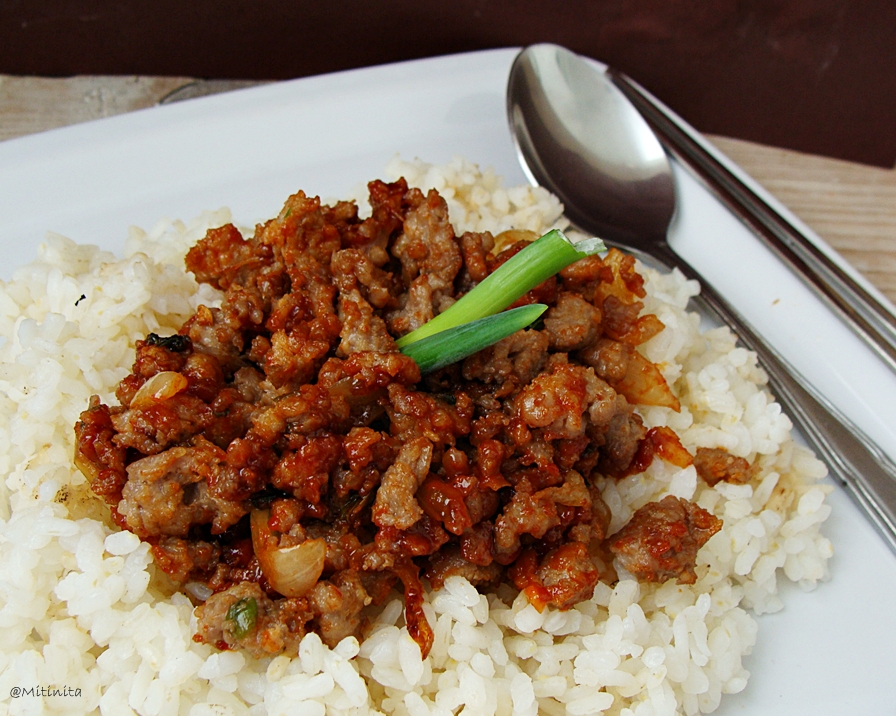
851,206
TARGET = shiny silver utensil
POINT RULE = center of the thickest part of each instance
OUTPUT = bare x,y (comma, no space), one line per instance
579,136
862,312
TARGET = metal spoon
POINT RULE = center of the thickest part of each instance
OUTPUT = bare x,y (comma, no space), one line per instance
579,136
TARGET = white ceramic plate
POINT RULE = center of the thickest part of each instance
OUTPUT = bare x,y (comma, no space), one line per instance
830,652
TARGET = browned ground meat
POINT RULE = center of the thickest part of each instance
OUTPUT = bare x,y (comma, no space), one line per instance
568,574
535,513
362,329
563,399
661,540
395,504
416,308
476,248
168,493
453,561
717,464
271,626
282,439
509,363
573,323
623,435
353,268
337,605
427,247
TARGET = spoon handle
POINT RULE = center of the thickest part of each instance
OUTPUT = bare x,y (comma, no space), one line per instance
853,458
867,316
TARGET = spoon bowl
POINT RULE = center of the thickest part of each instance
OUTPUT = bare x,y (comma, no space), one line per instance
578,136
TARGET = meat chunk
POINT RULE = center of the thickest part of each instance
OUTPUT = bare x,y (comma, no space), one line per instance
566,576
395,504
209,332
427,245
624,322
661,540
515,360
609,358
244,616
352,268
441,420
475,248
96,453
622,436
388,209
563,399
416,310
305,470
296,355
180,558
629,373
365,374
362,329
572,323
585,276
337,604
158,424
218,258
167,494
600,515
535,513
451,562
717,465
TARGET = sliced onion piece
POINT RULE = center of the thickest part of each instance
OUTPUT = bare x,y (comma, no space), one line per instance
292,571
87,467
198,590
160,387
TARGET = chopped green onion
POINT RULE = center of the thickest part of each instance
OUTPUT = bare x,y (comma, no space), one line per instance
454,344
536,263
242,614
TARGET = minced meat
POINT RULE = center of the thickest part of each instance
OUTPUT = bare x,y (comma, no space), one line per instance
283,431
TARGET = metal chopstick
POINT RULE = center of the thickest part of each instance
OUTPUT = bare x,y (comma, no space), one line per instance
870,319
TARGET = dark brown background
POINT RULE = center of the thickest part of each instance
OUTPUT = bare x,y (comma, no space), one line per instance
813,75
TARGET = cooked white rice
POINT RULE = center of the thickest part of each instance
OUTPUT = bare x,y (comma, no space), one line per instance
79,605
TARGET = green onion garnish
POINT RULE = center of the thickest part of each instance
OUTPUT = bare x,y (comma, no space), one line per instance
242,615
536,263
454,344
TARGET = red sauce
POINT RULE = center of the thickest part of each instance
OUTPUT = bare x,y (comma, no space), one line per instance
659,442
